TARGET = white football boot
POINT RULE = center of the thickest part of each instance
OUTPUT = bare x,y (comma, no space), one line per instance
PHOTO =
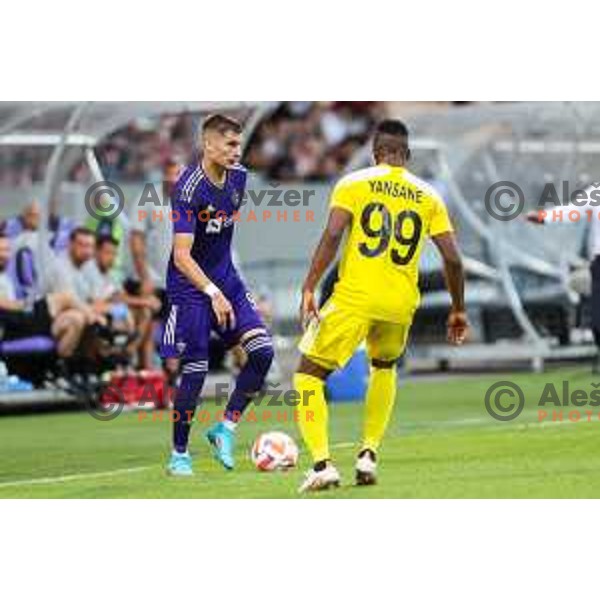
317,481
366,470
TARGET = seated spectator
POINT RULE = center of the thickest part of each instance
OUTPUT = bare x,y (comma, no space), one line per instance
67,271
27,220
8,296
102,289
24,233
24,228
125,313
105,294
56,315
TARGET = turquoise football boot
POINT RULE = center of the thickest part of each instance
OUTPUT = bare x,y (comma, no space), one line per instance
222,441
180,465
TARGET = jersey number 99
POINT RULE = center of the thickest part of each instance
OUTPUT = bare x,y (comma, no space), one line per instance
390,226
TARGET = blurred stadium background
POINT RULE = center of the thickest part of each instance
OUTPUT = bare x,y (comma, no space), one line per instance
522,301
519,295
527,298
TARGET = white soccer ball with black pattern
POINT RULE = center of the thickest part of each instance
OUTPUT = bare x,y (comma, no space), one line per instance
274,451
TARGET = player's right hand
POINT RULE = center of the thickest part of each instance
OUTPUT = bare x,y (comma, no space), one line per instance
309,308
458,327
223,311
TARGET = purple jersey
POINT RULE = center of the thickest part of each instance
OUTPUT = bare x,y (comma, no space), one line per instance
206,211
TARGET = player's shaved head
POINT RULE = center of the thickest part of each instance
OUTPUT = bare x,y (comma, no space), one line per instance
390,143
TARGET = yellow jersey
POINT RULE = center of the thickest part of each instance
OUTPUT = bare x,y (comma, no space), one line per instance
393,214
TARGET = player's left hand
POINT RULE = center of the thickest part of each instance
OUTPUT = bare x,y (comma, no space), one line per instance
223,311
309,308
458,327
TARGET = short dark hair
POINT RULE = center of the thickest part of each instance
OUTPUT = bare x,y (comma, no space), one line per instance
222,124
391,137
80,231
392,127
106,239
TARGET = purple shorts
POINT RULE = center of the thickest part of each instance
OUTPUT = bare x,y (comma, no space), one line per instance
188,327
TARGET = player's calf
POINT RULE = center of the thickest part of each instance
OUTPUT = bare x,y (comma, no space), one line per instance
250,381
193,374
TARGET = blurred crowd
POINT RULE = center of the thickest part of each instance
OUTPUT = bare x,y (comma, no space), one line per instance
311,140
135,153
138,152
20,167
298,141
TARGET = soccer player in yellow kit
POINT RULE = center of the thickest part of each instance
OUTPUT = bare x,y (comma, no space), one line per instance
388,214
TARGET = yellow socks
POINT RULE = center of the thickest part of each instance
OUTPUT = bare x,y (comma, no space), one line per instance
313,415
381,396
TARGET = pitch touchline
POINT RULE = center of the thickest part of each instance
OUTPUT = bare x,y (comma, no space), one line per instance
75,477
78,476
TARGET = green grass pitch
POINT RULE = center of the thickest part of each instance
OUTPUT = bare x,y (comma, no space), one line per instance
441,444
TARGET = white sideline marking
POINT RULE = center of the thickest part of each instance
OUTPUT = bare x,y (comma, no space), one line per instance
340,445
79,476
75,477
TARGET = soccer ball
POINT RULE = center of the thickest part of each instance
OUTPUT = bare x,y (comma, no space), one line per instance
274,451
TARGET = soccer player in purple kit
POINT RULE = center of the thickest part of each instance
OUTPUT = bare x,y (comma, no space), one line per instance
206,292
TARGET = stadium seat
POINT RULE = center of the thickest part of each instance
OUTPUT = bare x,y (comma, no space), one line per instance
25,346
23,272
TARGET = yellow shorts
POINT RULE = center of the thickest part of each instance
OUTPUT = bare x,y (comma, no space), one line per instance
332,342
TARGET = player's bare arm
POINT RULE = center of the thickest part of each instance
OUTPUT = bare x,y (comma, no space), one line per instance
184,262
458,325
339,221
